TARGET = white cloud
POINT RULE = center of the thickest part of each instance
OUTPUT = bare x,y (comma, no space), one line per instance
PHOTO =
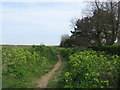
56,0
43,0
36,15
0,23
38,23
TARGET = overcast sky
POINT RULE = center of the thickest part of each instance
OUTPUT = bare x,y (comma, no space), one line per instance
38,22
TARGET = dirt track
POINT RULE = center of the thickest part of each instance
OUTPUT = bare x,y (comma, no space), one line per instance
42,83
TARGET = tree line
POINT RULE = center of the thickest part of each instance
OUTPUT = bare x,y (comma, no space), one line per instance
100,26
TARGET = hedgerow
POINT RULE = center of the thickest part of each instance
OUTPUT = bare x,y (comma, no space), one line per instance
91,69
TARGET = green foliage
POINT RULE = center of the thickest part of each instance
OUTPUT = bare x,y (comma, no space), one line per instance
91,69
68,43
66,52
21,64
83,69
108,49
101,27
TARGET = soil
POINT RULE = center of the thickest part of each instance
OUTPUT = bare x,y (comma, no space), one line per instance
42,83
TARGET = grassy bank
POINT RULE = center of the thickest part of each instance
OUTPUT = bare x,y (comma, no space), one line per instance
21,65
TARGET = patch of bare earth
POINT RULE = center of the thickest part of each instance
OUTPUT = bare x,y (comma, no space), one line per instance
42,83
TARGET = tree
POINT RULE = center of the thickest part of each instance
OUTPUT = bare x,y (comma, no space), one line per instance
63,39
100,28
118,34
82,31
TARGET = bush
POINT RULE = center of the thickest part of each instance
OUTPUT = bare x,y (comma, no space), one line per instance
91,69
66,52
108,49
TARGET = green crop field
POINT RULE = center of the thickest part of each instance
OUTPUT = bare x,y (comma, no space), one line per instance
23,65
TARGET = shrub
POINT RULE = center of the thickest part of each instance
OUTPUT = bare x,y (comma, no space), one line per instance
108,49
91,69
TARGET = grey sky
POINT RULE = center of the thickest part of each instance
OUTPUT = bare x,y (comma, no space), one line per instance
36,23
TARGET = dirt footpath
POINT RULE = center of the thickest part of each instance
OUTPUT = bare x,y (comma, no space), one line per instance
42,83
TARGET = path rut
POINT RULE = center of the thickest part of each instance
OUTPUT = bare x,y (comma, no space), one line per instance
42,83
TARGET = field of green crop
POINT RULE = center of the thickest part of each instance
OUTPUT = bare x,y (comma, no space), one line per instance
83,68
21,65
